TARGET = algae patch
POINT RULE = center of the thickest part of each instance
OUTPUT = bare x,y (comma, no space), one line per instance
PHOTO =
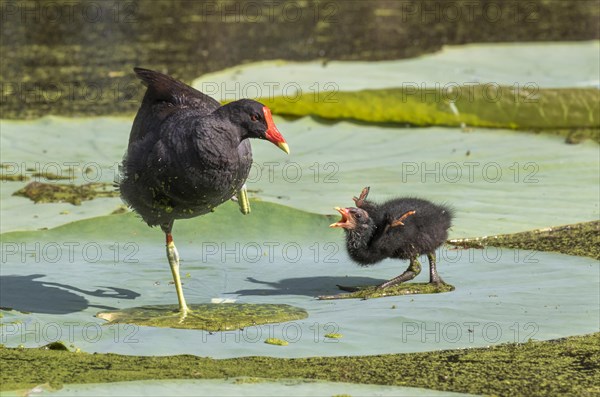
276,342
577,239
208,317
51,176
569,366
55,346
40,192
369,292
13,178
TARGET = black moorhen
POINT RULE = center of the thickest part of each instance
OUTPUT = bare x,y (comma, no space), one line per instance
187,154
402,228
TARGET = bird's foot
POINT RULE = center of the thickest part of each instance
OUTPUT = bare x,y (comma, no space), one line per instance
348,288
334,297
183,313
388,284
359,201
406,276
399,221
437,282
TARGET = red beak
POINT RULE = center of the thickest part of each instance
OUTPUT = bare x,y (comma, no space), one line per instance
273,133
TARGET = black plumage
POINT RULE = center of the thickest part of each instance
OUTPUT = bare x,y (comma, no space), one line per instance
188,154
402,228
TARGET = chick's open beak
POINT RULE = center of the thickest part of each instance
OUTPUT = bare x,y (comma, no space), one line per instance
345,216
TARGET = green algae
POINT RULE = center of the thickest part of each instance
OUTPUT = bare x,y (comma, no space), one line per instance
568,366
334,336
370,292
568,112
52,176
581,239
13,178
40,192
60,346
208,317
276,342
249,380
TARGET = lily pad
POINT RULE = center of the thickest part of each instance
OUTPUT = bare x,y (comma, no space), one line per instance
331,163
277,255
208,317
488,106
547,65
471,88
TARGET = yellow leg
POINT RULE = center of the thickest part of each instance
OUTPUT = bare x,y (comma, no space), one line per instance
244,203
173,257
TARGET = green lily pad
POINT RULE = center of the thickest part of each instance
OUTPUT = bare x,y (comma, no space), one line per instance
538,109
547,65
277,255
331,163
471,88
208,317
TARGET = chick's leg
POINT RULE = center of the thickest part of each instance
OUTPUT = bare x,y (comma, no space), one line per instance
414,268
434,277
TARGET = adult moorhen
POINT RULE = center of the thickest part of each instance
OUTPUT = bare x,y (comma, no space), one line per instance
187,154
402,228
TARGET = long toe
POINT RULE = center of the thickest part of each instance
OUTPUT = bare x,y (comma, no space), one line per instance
390,283
348,288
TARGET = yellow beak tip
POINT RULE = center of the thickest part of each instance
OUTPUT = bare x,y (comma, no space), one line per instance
284,146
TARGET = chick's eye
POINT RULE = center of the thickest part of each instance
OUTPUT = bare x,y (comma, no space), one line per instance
253,117
358,215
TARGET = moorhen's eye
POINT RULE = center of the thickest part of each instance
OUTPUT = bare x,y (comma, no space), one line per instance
358,215
253,117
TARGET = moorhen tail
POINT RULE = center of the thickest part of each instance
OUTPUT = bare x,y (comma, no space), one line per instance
187,154
402,228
